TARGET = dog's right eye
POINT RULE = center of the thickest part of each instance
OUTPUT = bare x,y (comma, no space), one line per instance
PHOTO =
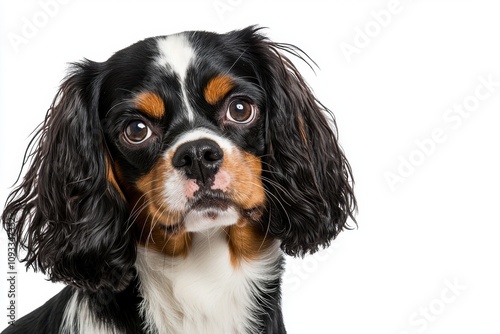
137,132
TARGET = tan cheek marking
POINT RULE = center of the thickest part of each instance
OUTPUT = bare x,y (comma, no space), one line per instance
155,213
149,183
217,88
245,170
151,104
171,245
246,242
246,239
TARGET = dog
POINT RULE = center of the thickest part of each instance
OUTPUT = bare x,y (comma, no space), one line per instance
166,184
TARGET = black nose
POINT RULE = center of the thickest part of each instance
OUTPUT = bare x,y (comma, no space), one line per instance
199,159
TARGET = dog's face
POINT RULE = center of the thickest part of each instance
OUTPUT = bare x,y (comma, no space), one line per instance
176,135
185,127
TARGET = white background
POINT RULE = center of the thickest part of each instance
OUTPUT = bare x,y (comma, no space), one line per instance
437,227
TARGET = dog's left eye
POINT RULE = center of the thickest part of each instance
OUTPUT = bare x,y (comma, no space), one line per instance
137,132
241,111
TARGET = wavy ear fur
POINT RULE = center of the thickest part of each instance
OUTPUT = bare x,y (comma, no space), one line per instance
306,171
66,213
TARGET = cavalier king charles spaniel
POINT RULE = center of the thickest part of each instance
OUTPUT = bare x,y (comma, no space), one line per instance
166,184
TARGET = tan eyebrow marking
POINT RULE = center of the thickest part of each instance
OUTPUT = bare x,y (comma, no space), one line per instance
217,88
151,104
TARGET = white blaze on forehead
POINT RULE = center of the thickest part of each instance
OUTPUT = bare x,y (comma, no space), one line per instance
177,55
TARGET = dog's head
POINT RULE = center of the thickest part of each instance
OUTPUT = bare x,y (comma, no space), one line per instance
172,136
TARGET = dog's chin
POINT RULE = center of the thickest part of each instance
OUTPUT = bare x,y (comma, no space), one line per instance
199,220
210,209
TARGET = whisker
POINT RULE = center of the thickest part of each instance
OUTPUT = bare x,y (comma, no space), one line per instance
114,106
271,197
241,55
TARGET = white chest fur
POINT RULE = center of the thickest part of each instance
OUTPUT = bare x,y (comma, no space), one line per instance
203,292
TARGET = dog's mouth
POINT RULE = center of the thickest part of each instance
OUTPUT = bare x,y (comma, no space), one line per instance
209,209
210,201
210,206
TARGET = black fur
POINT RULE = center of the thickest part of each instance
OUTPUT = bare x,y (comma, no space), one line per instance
74,224
46,319
69,219
308,172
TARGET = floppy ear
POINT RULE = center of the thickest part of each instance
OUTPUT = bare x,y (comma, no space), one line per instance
306,171
68,213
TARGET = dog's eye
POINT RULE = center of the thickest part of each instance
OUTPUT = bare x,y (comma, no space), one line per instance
137,132
241,111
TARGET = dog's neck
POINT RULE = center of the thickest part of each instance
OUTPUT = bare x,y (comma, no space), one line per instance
204,291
